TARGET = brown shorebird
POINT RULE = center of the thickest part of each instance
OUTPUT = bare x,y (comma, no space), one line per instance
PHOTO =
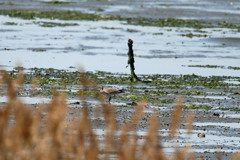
110,92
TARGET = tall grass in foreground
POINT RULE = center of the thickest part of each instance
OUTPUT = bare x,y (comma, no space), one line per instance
42,133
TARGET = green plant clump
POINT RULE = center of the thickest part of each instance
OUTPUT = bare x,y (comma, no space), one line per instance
196,106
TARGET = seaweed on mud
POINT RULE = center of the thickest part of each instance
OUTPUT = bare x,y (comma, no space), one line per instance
58,2
154,91
196,106
191,35
47,128
76,15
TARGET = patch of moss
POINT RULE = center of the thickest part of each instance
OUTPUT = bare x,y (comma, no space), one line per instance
230,109
215,66
167,101
158,87
100,10
196,106
193,93
225,24
190,35
234,68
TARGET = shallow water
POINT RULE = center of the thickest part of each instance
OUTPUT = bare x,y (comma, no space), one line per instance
211,143
34,100
102,45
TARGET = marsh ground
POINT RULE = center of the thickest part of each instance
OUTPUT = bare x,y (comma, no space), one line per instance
213,100
200,63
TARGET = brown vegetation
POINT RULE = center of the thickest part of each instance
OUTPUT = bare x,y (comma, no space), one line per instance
43,132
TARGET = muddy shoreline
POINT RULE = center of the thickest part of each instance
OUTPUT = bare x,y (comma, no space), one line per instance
207,10
215,100
210,150
215,107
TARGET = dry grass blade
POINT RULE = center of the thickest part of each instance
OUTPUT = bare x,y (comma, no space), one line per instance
151,148
236,156
34,85
183,153
128,138
138,112
189,120
88,148
176,117
110,118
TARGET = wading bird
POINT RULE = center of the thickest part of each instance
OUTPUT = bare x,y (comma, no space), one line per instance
110,92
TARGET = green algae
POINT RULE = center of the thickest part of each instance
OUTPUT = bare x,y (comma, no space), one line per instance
76,15
191,35
196,106
160,90
161,81
215,66
64,15
57,2
230,109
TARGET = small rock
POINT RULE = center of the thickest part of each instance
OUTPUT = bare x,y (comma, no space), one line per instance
216,114
75,102
201,135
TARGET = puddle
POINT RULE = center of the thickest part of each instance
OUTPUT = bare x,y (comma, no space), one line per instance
212,97
220,142
34,100
232,115
232,81
228,125
97,46
28,100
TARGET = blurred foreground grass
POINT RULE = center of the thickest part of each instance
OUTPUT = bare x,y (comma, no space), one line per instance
43,133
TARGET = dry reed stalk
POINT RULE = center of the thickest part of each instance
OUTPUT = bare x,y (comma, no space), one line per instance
218,156
3,131
110,118
12,86
184,153
88,145
235,156
189,121
128,138
55,125
176,117
138,112
34,85
151,148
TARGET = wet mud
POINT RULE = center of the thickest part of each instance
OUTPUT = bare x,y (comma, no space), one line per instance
167,51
